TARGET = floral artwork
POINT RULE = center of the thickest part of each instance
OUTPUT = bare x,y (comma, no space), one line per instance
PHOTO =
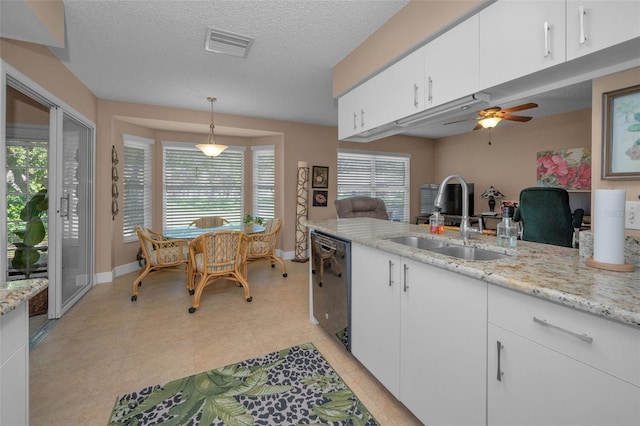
569,169
622,134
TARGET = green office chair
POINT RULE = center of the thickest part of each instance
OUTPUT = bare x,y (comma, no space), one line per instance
546,216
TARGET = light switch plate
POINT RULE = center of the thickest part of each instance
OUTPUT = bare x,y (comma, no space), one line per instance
632,215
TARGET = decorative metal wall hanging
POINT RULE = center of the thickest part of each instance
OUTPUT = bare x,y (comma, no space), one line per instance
114,185
302,207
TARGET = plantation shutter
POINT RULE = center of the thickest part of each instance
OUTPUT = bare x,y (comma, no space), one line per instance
264,169
196,185
136,185
379,175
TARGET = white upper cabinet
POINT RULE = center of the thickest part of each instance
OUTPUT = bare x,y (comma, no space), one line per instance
595,25
360,109
403,87
520,37
452,64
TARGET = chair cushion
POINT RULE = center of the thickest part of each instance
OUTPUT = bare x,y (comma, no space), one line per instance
169,255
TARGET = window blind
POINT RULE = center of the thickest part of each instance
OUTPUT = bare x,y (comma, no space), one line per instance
380,175
264,169
136,186
196,185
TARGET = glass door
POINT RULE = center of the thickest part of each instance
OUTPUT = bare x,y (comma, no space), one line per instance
71,169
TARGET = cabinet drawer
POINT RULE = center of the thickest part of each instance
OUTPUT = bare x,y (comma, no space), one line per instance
614,348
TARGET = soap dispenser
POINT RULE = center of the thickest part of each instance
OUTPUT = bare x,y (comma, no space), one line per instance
507,231
436,223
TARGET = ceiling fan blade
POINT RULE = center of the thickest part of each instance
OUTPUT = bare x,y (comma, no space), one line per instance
519,108
516,118
478,127
466,119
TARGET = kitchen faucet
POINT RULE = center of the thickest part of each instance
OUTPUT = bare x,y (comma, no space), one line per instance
465,227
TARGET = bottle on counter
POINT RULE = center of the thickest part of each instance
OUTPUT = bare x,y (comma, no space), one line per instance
436,223
507,231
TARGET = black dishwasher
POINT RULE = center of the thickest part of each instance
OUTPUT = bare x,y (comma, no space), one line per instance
331,282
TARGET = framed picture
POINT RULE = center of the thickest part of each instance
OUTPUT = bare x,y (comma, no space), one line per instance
320,198
621,134
320,177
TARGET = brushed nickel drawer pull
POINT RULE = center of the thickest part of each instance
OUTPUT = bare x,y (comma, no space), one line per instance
584,337
500,373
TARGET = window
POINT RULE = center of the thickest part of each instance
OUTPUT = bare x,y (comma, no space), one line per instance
196,185
264,169
136,186
26,174
380,175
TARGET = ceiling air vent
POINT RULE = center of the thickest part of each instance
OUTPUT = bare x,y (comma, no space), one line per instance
227,43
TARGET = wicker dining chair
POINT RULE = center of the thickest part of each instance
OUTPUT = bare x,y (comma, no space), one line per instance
209,222
216,255
160,253
263,245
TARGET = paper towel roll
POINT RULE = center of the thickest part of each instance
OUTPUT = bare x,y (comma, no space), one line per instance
608,233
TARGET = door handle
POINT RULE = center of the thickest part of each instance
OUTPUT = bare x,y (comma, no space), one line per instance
500,373
64,206
405,285
547,51
583,38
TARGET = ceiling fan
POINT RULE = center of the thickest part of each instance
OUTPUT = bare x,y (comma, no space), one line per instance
490,117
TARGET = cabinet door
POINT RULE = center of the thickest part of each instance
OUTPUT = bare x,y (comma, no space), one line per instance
520,37
443,345
595,25
452,63
402,87
347,116
14,368
529,384
375,313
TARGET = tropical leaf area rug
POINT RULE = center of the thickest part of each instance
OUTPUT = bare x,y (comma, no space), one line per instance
294,386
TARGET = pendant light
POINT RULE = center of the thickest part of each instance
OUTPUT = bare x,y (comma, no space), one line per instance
211,149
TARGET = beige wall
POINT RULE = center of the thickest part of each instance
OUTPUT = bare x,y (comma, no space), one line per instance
414,24
509,162
603,85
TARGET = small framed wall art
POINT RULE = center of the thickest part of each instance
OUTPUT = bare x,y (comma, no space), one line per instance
320,198
621,134
320,177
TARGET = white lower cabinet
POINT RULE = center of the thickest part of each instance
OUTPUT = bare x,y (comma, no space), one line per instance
457,351
375,313
421,331
443,345
14,367
534,377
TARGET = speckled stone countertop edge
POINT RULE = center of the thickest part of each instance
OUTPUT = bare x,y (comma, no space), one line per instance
556,274
14,293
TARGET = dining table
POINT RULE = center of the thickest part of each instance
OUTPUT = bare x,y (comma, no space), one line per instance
190,232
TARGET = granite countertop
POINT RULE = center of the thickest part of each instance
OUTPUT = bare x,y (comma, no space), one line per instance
558,274
13,293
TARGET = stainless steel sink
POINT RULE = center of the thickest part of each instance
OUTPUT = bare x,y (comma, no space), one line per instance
468,253
418,242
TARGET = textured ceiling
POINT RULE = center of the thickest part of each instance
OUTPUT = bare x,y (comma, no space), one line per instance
152,52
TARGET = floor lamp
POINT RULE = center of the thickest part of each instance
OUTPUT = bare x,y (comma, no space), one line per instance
302,207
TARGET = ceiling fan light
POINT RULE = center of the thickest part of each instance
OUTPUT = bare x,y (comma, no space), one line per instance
489,122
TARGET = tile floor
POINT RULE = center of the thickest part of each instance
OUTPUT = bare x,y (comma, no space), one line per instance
107,345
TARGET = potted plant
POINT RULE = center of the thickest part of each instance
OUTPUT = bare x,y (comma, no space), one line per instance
248,219
26,256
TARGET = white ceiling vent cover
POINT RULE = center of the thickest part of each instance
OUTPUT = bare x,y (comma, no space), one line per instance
227,43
